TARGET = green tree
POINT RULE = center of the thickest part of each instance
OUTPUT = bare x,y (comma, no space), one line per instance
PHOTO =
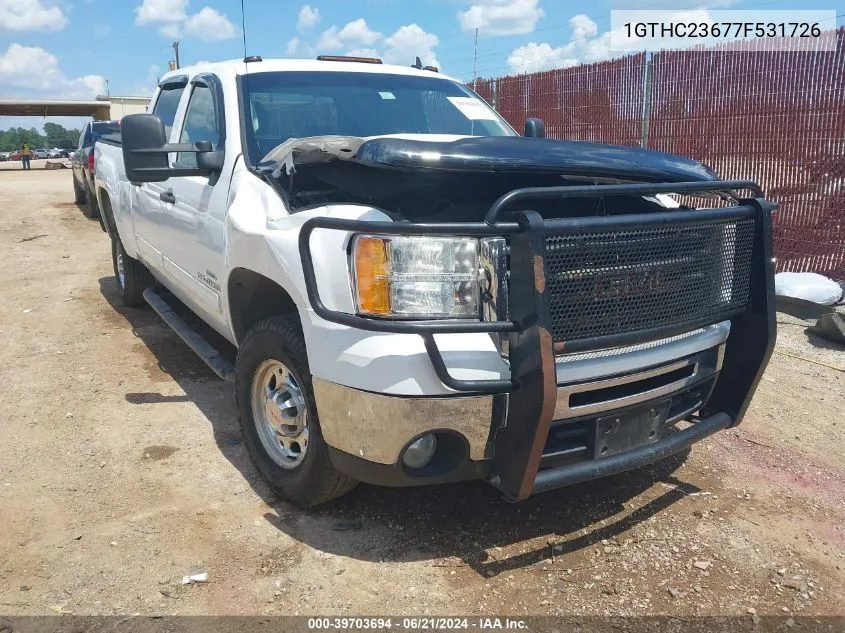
57,133
13,138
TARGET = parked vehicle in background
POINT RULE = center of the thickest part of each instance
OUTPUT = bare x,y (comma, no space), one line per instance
40,154
58,152
16,155
419,295
4,156
82,164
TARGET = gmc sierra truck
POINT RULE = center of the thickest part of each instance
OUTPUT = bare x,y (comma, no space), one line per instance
417,294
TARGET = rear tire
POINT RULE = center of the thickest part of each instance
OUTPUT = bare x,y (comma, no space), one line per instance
78,193
297,467
92,209
131,275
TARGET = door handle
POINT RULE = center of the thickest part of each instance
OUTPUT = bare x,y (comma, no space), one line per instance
167,196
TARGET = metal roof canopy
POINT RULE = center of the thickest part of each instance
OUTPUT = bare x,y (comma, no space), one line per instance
98,109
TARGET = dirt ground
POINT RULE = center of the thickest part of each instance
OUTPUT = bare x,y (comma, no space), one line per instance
122,469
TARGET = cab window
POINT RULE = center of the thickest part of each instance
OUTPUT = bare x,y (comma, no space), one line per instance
200,123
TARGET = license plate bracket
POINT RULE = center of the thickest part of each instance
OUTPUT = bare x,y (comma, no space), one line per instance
624,431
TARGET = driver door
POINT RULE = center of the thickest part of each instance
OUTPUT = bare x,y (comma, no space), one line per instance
193,207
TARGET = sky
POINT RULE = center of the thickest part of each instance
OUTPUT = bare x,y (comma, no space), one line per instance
77,49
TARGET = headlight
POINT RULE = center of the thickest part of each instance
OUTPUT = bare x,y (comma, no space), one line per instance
422,277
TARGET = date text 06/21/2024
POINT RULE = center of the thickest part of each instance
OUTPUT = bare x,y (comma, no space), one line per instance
416,623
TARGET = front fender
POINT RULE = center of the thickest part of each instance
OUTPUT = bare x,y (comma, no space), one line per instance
263,237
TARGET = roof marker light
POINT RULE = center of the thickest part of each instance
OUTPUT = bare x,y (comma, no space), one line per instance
346,58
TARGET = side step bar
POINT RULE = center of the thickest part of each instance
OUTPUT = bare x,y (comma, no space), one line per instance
197,343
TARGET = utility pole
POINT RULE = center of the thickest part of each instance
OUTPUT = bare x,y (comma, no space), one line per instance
176,52
475,61
646,112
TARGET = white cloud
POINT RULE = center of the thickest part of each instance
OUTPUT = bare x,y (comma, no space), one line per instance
585,46
30,71
354,33
308,17
357,39
210,25
534,57
329,41
160,12
583,27
501,17
358,31
408,43
170,31
31,15
292,46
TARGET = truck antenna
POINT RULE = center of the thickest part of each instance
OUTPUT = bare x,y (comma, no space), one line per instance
243,26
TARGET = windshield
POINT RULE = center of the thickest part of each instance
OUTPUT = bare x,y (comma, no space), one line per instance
283,105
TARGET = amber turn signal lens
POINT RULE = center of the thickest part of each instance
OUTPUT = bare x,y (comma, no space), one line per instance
371,277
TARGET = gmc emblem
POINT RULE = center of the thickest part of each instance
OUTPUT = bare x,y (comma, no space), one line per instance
628,283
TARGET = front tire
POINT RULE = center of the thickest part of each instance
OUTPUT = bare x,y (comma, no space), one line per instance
278,415
131,275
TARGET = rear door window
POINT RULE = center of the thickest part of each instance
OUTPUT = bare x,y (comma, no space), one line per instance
167,104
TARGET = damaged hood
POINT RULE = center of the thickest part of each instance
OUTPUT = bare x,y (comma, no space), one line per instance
491,154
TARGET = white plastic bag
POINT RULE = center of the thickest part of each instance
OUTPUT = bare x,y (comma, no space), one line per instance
808,286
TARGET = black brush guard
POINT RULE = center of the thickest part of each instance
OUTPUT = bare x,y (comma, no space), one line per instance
532,388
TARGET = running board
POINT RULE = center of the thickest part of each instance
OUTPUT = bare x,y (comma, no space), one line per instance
197,343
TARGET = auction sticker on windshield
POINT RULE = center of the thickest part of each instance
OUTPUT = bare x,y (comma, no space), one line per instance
472,108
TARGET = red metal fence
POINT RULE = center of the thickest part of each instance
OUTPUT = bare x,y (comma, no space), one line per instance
774,117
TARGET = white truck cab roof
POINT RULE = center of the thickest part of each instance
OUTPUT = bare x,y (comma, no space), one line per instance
238,67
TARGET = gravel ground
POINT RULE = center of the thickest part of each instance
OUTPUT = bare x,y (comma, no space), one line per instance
122,470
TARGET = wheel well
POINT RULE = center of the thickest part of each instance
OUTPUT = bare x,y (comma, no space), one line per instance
106,212
254,297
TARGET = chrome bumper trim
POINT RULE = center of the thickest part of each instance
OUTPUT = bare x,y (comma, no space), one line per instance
605,363
377,427
702,366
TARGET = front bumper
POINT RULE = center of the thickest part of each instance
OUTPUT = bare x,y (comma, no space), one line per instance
367,432
526,410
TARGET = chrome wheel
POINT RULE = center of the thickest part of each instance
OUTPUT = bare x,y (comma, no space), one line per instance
118,262
279,413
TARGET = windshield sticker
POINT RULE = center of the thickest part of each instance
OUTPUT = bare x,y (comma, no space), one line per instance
386,95
472,108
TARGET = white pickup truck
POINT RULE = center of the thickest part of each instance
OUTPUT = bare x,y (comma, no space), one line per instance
418,294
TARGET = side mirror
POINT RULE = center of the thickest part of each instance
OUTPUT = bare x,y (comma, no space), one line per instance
146,150
535,128
143,139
